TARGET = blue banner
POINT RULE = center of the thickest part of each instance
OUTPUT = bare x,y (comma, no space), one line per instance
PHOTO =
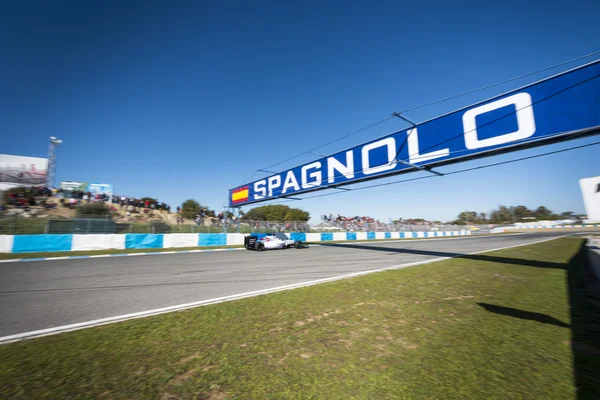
541,113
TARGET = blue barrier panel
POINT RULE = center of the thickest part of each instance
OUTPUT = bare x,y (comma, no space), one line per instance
212,239
326,236
370,235
388,235
143,241
412,235
350,235
298,236
37,243
402,235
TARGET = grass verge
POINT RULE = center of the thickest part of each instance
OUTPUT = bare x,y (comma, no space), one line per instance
489,326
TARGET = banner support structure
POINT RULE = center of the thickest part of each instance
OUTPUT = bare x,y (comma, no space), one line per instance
414,125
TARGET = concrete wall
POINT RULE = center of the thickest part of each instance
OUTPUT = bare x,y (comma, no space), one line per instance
593,252
54,243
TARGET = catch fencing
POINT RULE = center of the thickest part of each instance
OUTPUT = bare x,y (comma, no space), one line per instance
90,224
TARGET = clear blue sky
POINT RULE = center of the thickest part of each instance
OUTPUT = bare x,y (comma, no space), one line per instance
180,100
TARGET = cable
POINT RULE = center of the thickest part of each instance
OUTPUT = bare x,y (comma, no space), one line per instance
426,105
499,83
507,115
464,170
451,173
323,145
278,191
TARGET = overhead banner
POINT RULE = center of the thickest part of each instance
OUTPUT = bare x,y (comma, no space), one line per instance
590,190
22,171
559,108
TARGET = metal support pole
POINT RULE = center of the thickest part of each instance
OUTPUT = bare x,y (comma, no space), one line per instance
414,126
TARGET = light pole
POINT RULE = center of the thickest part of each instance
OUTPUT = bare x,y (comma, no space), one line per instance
54,142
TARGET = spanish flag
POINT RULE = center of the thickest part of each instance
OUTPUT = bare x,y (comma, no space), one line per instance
239,195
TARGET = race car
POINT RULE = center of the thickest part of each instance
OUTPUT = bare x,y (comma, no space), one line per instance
271,242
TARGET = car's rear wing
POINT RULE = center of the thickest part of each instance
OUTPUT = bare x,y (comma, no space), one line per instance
249,241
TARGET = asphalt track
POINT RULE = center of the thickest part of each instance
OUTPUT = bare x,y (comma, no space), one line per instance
47,294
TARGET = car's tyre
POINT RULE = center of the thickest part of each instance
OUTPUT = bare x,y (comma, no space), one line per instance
260,246
300,245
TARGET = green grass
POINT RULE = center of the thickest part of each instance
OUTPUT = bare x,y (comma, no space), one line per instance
416,333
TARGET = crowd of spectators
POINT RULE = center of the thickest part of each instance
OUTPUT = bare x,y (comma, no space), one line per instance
365,223
30,196
133,204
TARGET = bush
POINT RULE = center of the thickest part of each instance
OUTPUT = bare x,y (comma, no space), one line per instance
99,208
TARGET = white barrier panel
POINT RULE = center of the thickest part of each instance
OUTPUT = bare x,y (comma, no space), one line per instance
379,235
361,235
420,234
6,243
180,240
313,237
395,235
97,242
339,236
119,241
235,239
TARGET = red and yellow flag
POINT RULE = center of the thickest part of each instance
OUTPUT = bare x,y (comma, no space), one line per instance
239,195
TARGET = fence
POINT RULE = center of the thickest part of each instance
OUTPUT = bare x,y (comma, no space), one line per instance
101,224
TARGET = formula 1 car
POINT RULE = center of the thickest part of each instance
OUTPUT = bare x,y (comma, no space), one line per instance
271,242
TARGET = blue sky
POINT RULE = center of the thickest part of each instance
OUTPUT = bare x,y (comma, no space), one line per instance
180,100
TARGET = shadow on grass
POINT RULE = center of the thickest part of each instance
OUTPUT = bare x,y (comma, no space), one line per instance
478,257
584,304
532,316
584,301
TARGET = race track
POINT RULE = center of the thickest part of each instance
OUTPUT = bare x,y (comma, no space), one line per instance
46,294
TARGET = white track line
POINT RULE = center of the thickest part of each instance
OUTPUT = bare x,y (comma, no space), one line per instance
142,314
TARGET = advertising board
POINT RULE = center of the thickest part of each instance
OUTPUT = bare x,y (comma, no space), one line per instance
590,191
22,171
559,108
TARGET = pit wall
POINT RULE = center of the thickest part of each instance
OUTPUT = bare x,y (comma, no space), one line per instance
50,243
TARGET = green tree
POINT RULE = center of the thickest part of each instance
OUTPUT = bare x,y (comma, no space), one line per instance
542,213
483,218
502,215
190,208
521,212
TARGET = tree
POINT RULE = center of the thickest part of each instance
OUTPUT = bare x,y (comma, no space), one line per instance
521,212
277,212
542,213
190,208
482,218
502,215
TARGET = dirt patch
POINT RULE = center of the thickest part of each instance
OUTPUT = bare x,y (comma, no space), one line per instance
212,395
188,359
458,298
183,377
